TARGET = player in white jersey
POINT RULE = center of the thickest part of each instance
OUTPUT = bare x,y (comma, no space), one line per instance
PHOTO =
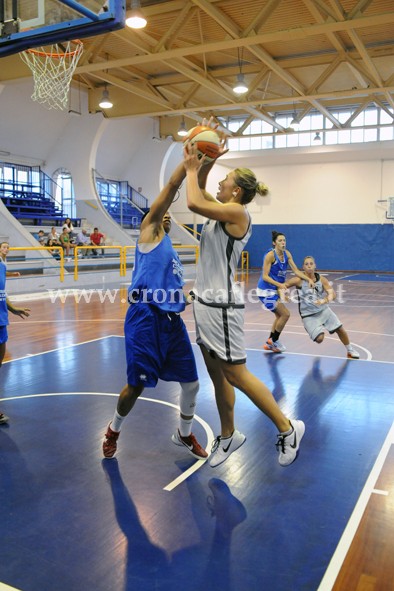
316,315
218,306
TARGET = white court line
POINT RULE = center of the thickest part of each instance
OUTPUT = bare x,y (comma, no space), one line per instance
4,587
182,477
377,491
349,533
59,348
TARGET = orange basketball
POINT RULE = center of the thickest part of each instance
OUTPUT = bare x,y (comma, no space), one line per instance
207,141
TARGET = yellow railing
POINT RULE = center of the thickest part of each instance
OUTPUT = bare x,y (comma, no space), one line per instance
244,265
194,247
48,248
77,249
189,229
122,254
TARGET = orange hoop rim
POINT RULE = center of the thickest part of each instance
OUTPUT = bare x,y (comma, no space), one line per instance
77,42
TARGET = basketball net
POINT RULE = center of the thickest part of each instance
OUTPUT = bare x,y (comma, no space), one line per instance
52,69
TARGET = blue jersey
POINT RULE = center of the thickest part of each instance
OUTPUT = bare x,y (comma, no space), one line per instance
3,303
277,271
158,278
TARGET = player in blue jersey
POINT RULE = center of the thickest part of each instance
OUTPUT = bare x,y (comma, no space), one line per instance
272,285
157,343
5,306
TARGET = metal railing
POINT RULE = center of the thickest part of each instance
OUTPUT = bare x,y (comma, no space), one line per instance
123,250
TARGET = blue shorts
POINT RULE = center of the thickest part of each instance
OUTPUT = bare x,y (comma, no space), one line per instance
3,334
157,347
270,302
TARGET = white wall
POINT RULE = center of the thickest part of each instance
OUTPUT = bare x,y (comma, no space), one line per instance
309,190
339,184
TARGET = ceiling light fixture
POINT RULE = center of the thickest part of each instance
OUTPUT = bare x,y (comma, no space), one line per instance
295,122
136,20
240,86
105,102
182,131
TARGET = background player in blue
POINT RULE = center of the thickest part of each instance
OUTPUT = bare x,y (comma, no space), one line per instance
219,305
157,342
272,285
5,306
313,307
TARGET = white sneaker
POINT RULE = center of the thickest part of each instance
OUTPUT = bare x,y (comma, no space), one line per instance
288,445
279,346
222,448
352,353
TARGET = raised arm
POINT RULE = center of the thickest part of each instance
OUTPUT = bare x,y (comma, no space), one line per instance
163,201
232,213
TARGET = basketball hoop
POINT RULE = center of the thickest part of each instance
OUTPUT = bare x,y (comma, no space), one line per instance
52,69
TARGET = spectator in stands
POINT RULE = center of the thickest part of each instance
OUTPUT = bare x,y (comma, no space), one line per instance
5,307
53,235
40,237
83,240
70,229
65,242
97,238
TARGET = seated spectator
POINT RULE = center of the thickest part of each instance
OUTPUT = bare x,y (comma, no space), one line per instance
83,240
69,228
97,238
65,242
40,237
53,235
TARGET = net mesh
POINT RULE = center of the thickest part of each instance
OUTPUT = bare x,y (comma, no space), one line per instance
52,69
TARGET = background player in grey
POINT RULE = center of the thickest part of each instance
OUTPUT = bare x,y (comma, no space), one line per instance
316,315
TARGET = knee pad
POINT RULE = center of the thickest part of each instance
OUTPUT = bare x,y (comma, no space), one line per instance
187,399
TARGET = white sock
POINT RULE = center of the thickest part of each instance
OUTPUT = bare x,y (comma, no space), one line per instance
116,422
185,426
349,347
289,432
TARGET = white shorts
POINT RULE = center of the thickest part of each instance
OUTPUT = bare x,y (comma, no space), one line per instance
326,319
220,330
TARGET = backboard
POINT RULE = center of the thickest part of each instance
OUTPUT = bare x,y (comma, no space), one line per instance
31,23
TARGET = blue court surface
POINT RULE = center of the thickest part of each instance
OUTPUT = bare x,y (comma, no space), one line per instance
71,521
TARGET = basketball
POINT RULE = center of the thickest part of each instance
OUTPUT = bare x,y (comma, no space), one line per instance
206,140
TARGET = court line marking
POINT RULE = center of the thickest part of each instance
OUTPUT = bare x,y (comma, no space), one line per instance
117,336
179,479
337,559
4,587
28,355
377,491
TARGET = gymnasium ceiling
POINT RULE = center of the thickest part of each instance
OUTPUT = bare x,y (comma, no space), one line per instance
298,56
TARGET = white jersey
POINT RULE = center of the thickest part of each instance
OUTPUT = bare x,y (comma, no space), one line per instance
219,255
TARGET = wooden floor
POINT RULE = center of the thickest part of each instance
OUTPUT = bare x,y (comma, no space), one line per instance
367,313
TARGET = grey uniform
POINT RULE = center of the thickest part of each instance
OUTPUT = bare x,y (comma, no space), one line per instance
314,317
218,298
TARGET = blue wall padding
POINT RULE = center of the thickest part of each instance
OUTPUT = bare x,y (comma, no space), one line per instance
342,247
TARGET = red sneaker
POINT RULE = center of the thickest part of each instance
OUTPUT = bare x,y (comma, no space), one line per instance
109,443
191,444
